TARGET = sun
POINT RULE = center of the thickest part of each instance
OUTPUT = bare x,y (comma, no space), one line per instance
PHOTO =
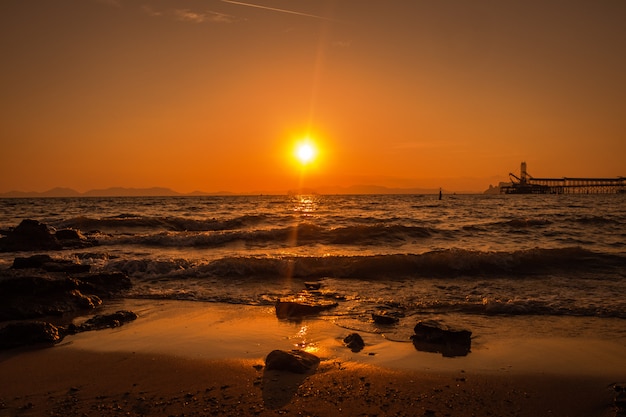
305,151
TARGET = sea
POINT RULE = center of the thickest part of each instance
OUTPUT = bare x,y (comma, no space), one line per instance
472,260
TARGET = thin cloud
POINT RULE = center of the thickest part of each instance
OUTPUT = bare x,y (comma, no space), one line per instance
274,9
186,15
201,17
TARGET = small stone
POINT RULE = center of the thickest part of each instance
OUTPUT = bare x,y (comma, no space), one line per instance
355,342
297,361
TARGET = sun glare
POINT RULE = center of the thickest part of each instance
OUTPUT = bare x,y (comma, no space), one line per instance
305,152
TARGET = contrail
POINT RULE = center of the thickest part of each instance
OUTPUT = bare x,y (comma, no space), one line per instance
258,6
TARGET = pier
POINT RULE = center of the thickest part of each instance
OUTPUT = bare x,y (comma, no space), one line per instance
527,184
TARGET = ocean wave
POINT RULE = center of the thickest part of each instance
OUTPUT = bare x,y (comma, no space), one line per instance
523,223
301,234
127,221
436,264
597,220
446,263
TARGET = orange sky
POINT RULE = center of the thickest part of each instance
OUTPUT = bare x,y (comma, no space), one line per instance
210,95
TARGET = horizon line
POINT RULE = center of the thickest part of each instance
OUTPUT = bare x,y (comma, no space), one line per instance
66,192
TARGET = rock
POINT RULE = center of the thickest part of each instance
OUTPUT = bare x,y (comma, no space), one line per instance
84,302
69,234
286,309
620,399
297,361
29,235
385,317
433,336
433,331
32,297
28,333
16,284
104,284
105,321
354,341
35,261
24,333
72,238
28,293
49,264
312,285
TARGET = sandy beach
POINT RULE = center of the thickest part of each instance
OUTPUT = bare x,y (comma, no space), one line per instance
188,359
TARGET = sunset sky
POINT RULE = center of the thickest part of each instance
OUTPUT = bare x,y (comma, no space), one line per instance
212,95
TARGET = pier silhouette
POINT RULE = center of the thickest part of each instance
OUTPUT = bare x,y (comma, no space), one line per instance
527,184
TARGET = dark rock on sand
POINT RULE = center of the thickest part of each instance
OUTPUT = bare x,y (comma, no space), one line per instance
433,336
28,333
354,342
286,309
104,321
297,361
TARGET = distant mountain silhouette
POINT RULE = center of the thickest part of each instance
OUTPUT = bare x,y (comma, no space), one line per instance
107,192
55,192
132,192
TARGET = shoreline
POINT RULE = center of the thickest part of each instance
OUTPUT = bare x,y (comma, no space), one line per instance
207,359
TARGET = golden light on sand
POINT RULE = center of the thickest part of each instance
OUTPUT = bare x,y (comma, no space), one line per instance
305,151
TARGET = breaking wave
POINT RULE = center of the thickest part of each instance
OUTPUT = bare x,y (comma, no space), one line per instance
178,224
303,233
445,263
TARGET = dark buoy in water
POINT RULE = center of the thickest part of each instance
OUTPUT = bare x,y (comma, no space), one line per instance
440,193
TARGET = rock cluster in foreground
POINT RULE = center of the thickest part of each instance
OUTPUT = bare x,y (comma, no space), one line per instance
40,295
31,235
39,290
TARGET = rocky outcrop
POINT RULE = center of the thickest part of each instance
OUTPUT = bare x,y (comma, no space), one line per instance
33,296
31,293
103,321
297,361
434,336
41,287
31,235
620,400
28,333
354,342
104,284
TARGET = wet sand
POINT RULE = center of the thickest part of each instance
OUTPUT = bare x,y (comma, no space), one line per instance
201,359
